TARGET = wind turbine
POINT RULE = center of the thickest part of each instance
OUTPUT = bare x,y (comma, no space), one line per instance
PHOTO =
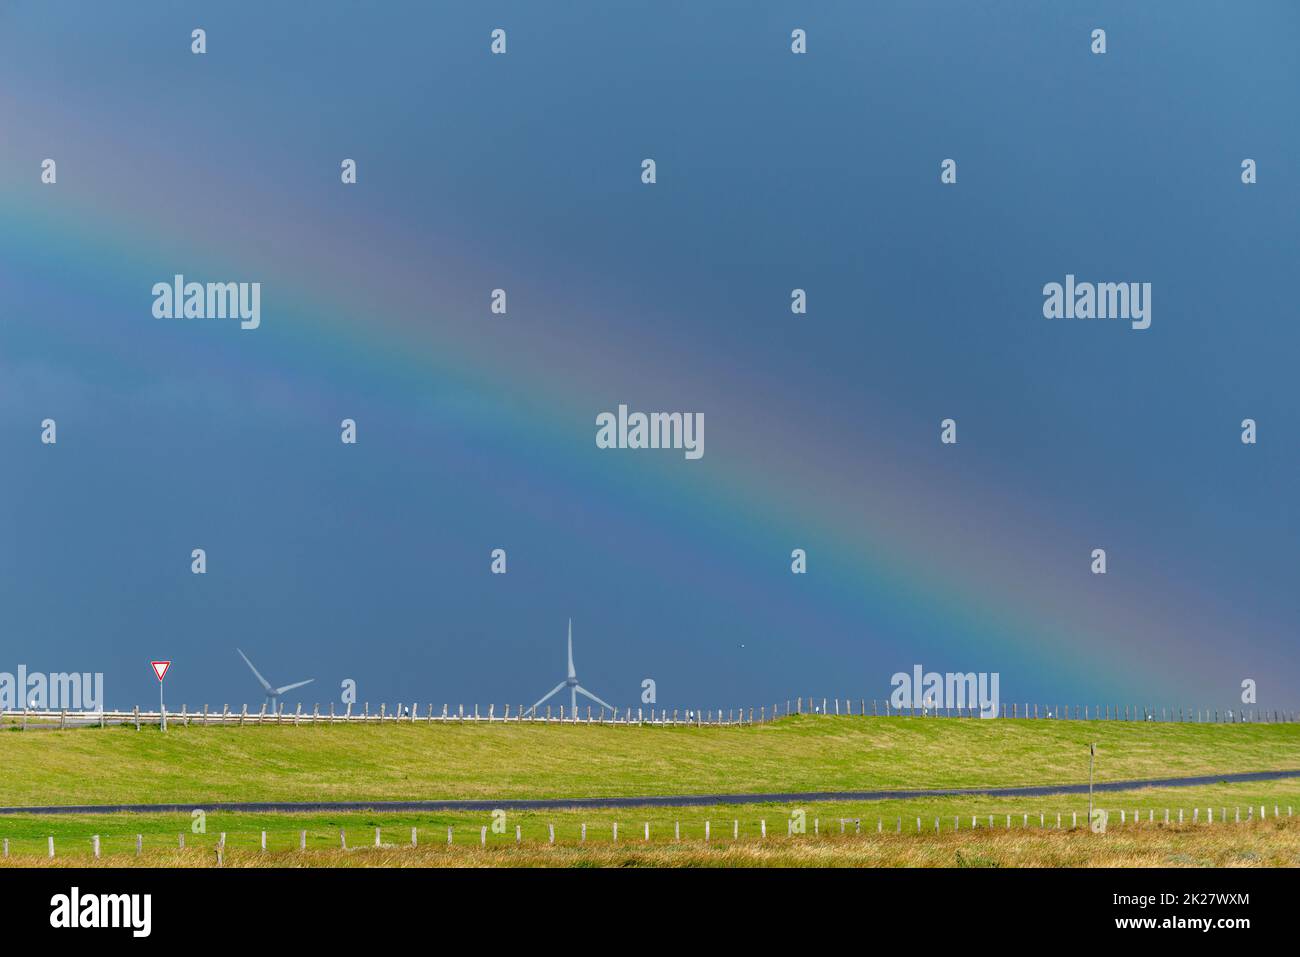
271,693
571,683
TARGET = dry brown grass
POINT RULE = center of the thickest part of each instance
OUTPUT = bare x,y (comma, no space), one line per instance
1256,844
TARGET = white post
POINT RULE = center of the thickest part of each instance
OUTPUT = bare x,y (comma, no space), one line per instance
482,836
677,830
302,840
449,837
139,844
263,840
762,829
551,829
616,832
376,837
584,830
51,845
519,835
96,843
735,830
343,840
415,837
706,830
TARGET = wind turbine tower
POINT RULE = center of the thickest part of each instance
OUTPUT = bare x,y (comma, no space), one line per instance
571,682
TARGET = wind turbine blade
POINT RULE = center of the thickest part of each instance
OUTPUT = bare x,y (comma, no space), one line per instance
572,673
581,690
266,685
550,694
291,687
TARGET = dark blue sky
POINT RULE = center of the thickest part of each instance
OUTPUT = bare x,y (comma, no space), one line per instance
775,171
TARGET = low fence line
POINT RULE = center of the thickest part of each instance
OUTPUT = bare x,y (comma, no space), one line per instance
678,717
797,825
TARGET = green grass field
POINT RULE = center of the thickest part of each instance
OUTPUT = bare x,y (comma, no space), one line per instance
877,833
198,766
403,761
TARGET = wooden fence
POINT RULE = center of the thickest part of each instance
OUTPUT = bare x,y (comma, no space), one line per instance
797,825
699,717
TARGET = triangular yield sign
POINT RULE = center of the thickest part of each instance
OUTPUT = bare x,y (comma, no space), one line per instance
160,668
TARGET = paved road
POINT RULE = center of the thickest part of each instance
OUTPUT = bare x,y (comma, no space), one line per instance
671,800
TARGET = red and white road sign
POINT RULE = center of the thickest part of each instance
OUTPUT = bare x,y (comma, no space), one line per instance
160,668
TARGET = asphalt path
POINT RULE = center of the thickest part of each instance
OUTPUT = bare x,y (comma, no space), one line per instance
658,800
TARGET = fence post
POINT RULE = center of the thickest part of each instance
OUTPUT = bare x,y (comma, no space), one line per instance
51,846
95,841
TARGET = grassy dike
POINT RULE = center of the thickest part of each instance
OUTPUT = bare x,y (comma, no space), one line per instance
810,753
